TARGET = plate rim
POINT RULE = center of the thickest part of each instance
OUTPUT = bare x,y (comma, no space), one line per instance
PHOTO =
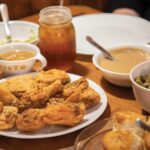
103,98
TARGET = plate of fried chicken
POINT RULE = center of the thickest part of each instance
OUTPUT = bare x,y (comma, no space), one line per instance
48,104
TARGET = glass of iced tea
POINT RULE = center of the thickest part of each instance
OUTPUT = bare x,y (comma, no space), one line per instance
57,37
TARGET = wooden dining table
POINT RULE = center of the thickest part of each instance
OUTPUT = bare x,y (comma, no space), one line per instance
119,98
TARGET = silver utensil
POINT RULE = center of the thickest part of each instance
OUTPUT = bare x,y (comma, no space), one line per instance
5,19
142,124
94,43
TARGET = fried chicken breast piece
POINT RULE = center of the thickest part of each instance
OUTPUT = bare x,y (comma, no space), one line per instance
89,97
30,120
47,77
7,98
20,84
8,117
36,98
75,86
63,113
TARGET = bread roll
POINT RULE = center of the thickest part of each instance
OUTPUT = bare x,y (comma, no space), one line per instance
122,140
126,120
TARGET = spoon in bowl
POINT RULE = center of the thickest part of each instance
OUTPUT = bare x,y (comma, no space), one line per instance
5,18
105,52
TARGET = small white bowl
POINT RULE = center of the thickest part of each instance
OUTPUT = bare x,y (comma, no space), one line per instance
120,79
15,67
142,94
21,31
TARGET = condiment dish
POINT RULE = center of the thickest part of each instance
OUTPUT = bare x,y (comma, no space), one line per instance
117,78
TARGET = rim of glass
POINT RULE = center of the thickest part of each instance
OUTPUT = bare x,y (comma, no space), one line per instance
63,11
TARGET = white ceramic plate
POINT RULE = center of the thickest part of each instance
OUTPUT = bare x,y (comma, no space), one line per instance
20,31
53,131
109,30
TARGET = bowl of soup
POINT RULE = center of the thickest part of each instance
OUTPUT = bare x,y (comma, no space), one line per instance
18,58
126,57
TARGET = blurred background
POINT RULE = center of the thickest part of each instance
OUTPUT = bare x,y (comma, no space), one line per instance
23,8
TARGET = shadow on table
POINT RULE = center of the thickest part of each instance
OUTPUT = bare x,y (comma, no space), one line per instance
86,58
78,69
107,112
121,92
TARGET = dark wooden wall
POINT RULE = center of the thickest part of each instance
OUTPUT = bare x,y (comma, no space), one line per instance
23,8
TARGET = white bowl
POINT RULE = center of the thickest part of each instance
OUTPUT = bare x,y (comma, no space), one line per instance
142,94
21,31
120,79
15,67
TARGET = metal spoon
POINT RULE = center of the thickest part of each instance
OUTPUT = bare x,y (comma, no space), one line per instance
5,18
142,124
94,43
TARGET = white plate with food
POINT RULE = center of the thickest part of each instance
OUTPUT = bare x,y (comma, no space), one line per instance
21,31
109,30
90,116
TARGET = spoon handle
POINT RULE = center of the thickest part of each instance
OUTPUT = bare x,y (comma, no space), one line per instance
92,41
5,18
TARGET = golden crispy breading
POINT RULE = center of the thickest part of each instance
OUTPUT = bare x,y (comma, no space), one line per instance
63,113
125,120
122,140
7,98
20,84
30,120
48,77
8,117
37,98
78,85
89,97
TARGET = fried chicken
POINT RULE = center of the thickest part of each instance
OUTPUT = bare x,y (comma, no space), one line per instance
79,91
47,77
7,98
45,98
63,113
89,97
8,117
20,84
78,85
36,98
30,120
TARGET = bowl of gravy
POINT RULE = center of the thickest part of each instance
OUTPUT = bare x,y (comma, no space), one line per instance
126,57
19,58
